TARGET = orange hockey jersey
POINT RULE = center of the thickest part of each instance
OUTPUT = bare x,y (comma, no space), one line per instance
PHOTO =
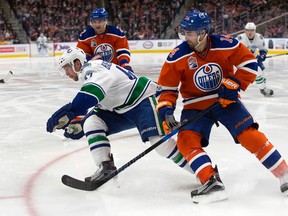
112,46
200,77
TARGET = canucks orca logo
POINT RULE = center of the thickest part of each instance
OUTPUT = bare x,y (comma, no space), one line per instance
208,77
106,52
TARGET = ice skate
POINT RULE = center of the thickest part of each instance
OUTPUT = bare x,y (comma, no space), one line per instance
212,191
267,92
104,170
284,183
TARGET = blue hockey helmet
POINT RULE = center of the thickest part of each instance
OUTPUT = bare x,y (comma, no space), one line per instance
99,13
195,21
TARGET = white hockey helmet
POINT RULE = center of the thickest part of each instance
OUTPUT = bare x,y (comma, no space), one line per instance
70,55
250,26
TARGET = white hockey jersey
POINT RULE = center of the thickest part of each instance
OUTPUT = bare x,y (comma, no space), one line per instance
115,88
42,41
254,45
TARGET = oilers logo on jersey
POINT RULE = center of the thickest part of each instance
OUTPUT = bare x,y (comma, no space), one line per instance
105,51
208,77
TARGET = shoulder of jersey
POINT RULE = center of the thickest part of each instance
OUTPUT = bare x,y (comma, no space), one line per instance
240,36
221,41
179,51
88,32
85,66
259,36
115,31
91,66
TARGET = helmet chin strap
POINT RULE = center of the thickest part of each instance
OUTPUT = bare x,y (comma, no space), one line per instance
77,72
73,67
200,42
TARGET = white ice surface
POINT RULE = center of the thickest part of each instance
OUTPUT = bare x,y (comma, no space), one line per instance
32,161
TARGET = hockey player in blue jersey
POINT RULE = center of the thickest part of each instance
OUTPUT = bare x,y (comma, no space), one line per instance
123,101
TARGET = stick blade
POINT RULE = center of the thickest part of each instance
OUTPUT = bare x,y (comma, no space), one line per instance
7,77
78,184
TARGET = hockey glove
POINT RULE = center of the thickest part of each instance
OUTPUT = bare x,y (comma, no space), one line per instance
96,57
165,111
60,119
75,129
228,91
262,56
127,67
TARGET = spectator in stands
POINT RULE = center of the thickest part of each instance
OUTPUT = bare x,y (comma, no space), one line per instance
6,30
2,40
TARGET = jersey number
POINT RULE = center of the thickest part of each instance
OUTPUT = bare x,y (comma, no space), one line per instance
128,73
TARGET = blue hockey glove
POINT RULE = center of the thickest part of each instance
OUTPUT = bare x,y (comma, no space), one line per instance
165,111
60,119
75,129
262,56
260,62
228,91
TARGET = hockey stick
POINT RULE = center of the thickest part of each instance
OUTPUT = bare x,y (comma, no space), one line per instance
272,56
90,186
7,77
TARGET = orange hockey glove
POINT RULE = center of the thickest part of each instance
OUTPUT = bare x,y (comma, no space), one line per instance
165,111
228,91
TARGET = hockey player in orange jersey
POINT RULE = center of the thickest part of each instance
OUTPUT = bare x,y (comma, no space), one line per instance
103,41
204,65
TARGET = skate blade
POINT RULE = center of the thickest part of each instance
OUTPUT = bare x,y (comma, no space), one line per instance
213,197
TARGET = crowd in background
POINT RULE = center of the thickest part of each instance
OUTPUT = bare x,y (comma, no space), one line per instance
146,19
63,20
231,16
7,35
58,20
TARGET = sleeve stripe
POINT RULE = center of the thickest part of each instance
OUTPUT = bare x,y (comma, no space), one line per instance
246,62
249,66
95,90
249,70
123,54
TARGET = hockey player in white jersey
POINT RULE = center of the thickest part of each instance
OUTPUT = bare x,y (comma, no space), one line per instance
122,100
42,45
255,42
